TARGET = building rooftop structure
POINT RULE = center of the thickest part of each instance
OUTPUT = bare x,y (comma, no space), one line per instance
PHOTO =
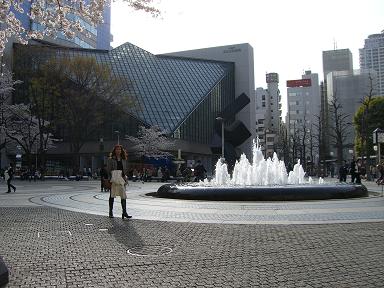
179,95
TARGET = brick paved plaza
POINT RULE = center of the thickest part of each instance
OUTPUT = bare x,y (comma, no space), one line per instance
44,246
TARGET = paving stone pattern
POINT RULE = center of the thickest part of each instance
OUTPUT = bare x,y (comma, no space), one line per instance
49,247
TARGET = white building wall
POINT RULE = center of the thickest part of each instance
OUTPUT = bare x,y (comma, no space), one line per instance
242,56
304,110
304,103
261,96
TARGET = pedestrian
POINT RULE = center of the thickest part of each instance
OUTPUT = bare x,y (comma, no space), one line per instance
144,175
359,171
343,170
103,178
352,170
380,168
117,168
200,171
9,177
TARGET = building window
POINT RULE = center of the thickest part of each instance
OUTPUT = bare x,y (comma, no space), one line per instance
263,104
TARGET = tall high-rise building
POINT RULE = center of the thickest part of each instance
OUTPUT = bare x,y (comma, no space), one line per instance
273,114
333,60
337,60
372,57
268,113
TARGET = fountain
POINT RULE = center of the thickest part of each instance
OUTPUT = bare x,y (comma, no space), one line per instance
261,180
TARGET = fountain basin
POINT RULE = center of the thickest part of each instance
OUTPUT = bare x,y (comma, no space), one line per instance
263,193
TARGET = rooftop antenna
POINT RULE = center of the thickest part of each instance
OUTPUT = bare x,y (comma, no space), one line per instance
334,44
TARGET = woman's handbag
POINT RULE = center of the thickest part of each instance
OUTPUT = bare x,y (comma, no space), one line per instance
107,184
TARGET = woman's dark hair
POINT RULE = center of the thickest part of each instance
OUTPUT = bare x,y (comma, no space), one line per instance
124,154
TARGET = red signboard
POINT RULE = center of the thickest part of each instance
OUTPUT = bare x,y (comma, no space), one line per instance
299,83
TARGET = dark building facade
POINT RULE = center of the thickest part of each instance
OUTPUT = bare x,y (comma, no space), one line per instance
179,95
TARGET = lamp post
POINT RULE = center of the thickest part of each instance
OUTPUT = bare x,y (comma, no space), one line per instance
36,157
222,135
351,152
118,136
378,138
101,149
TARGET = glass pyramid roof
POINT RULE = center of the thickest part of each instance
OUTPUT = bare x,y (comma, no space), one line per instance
166,89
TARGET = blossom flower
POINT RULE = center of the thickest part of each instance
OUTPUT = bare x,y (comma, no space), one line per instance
54,16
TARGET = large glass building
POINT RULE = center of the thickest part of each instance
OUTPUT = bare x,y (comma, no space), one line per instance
181,96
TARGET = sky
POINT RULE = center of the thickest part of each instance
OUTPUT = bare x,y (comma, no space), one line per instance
287,36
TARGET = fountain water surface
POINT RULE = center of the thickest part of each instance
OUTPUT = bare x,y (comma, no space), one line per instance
263,179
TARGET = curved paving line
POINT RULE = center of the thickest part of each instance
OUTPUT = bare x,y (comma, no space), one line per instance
59,201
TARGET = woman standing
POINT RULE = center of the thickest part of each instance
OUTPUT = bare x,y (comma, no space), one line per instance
117,173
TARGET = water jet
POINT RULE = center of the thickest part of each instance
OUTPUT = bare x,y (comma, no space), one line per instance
261,180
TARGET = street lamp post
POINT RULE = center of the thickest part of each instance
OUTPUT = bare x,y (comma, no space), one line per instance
351,152
36,157
118,136
222,135
378,138
375,148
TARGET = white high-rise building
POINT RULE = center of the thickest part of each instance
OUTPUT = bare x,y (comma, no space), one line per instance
303,101
304,112
372,57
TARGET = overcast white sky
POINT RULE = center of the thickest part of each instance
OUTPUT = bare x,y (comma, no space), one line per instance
288,36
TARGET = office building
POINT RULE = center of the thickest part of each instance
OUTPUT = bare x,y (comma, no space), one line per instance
337,60
372,57
348,88
303,116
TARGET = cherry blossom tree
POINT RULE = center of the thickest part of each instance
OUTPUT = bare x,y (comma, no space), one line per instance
22,129
151,142
55,16
6,87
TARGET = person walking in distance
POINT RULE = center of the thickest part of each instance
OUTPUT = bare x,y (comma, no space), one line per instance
353,170
343,171
200,171
103,178
9,177
117,168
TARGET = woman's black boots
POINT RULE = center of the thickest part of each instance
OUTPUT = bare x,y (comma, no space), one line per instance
111,200
124,207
